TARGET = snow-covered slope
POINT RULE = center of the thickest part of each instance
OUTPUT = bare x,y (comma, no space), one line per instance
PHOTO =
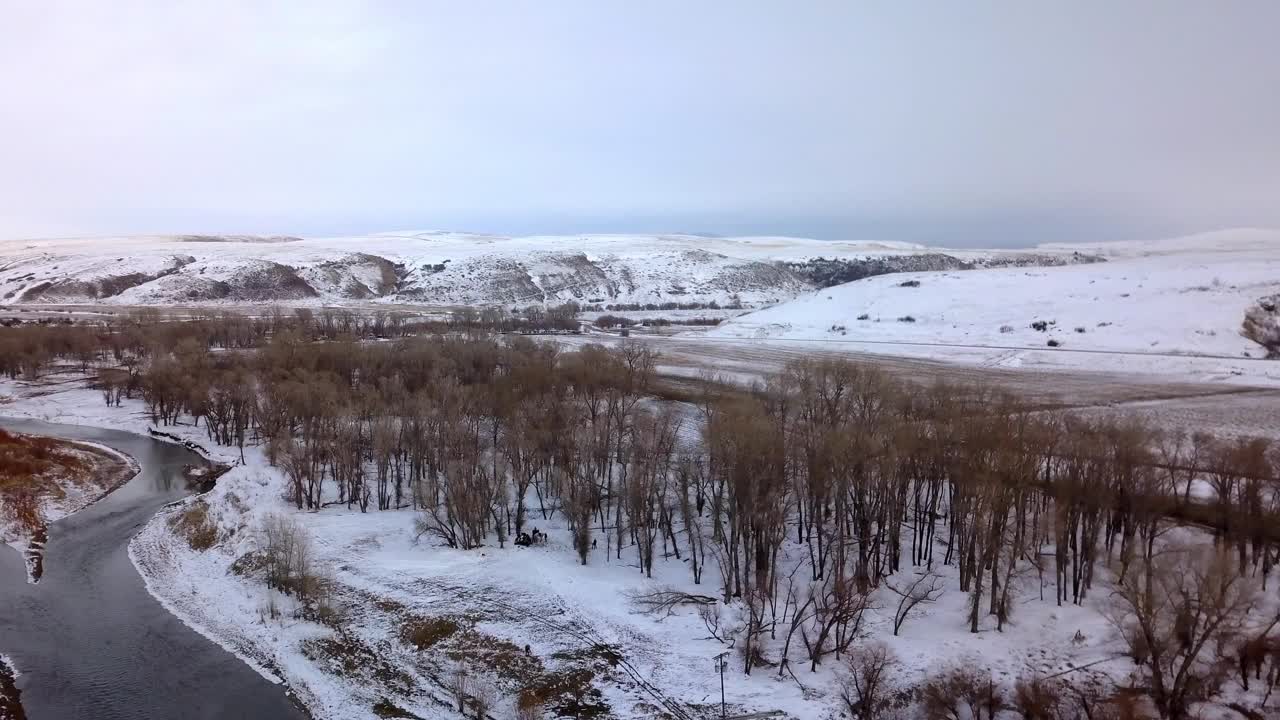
1187,295
1237,240
458,268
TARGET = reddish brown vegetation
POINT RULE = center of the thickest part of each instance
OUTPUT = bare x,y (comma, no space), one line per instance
31,469
37,471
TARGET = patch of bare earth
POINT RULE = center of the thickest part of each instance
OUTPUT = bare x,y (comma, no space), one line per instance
416,660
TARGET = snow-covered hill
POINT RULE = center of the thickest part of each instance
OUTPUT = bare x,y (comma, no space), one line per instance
1181,296
460,268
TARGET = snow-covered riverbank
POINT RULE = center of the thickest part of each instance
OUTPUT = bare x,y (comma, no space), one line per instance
73,476
10,696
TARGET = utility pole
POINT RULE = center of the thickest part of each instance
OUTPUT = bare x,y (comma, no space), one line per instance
720,663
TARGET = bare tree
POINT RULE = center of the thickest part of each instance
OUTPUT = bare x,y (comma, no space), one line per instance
461,686
713,621
665,600
1183,599
836,619
482,696
865,690
953,692
924,588
1038,698
289,559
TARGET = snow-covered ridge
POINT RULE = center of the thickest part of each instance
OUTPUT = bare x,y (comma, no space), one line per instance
459,268
1238,240
1182,296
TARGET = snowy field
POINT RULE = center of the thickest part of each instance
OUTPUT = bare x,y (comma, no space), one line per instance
1150,301
743,354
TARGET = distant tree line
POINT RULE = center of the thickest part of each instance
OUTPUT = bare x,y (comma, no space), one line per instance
735,303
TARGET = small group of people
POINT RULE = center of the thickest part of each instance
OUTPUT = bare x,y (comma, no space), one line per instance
525,539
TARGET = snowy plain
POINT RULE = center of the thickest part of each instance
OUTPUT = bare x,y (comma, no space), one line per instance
1176,301
1182,297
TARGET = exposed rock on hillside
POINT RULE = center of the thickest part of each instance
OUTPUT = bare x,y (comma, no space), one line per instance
1262,324
462,269
824,272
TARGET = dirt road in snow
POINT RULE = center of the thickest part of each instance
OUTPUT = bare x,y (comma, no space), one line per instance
1221,407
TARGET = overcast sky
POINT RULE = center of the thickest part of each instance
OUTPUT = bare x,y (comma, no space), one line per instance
955,123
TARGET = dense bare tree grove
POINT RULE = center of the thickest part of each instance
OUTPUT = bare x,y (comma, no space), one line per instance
812,498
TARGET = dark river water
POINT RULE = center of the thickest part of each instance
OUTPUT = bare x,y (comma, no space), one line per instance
89,640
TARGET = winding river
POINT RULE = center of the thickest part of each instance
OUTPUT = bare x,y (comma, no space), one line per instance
89,640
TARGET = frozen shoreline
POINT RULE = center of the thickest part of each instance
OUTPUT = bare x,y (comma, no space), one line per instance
145,552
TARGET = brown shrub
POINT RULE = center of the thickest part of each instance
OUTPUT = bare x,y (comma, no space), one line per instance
865,690
423,633
30,468
952,692
195,526
529,706
1038,699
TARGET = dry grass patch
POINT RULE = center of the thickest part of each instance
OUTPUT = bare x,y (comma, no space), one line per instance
423,633
599,652
250,564
31,472
195,525
505,659
345,655
387,605
568,693
384,708
567,690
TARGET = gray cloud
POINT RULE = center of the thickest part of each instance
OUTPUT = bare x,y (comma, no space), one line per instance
997,123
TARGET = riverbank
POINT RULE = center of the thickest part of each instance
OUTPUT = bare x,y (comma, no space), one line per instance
10,695
43,480
67,400
69,634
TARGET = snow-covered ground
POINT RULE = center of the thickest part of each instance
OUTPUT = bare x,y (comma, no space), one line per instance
1184,297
